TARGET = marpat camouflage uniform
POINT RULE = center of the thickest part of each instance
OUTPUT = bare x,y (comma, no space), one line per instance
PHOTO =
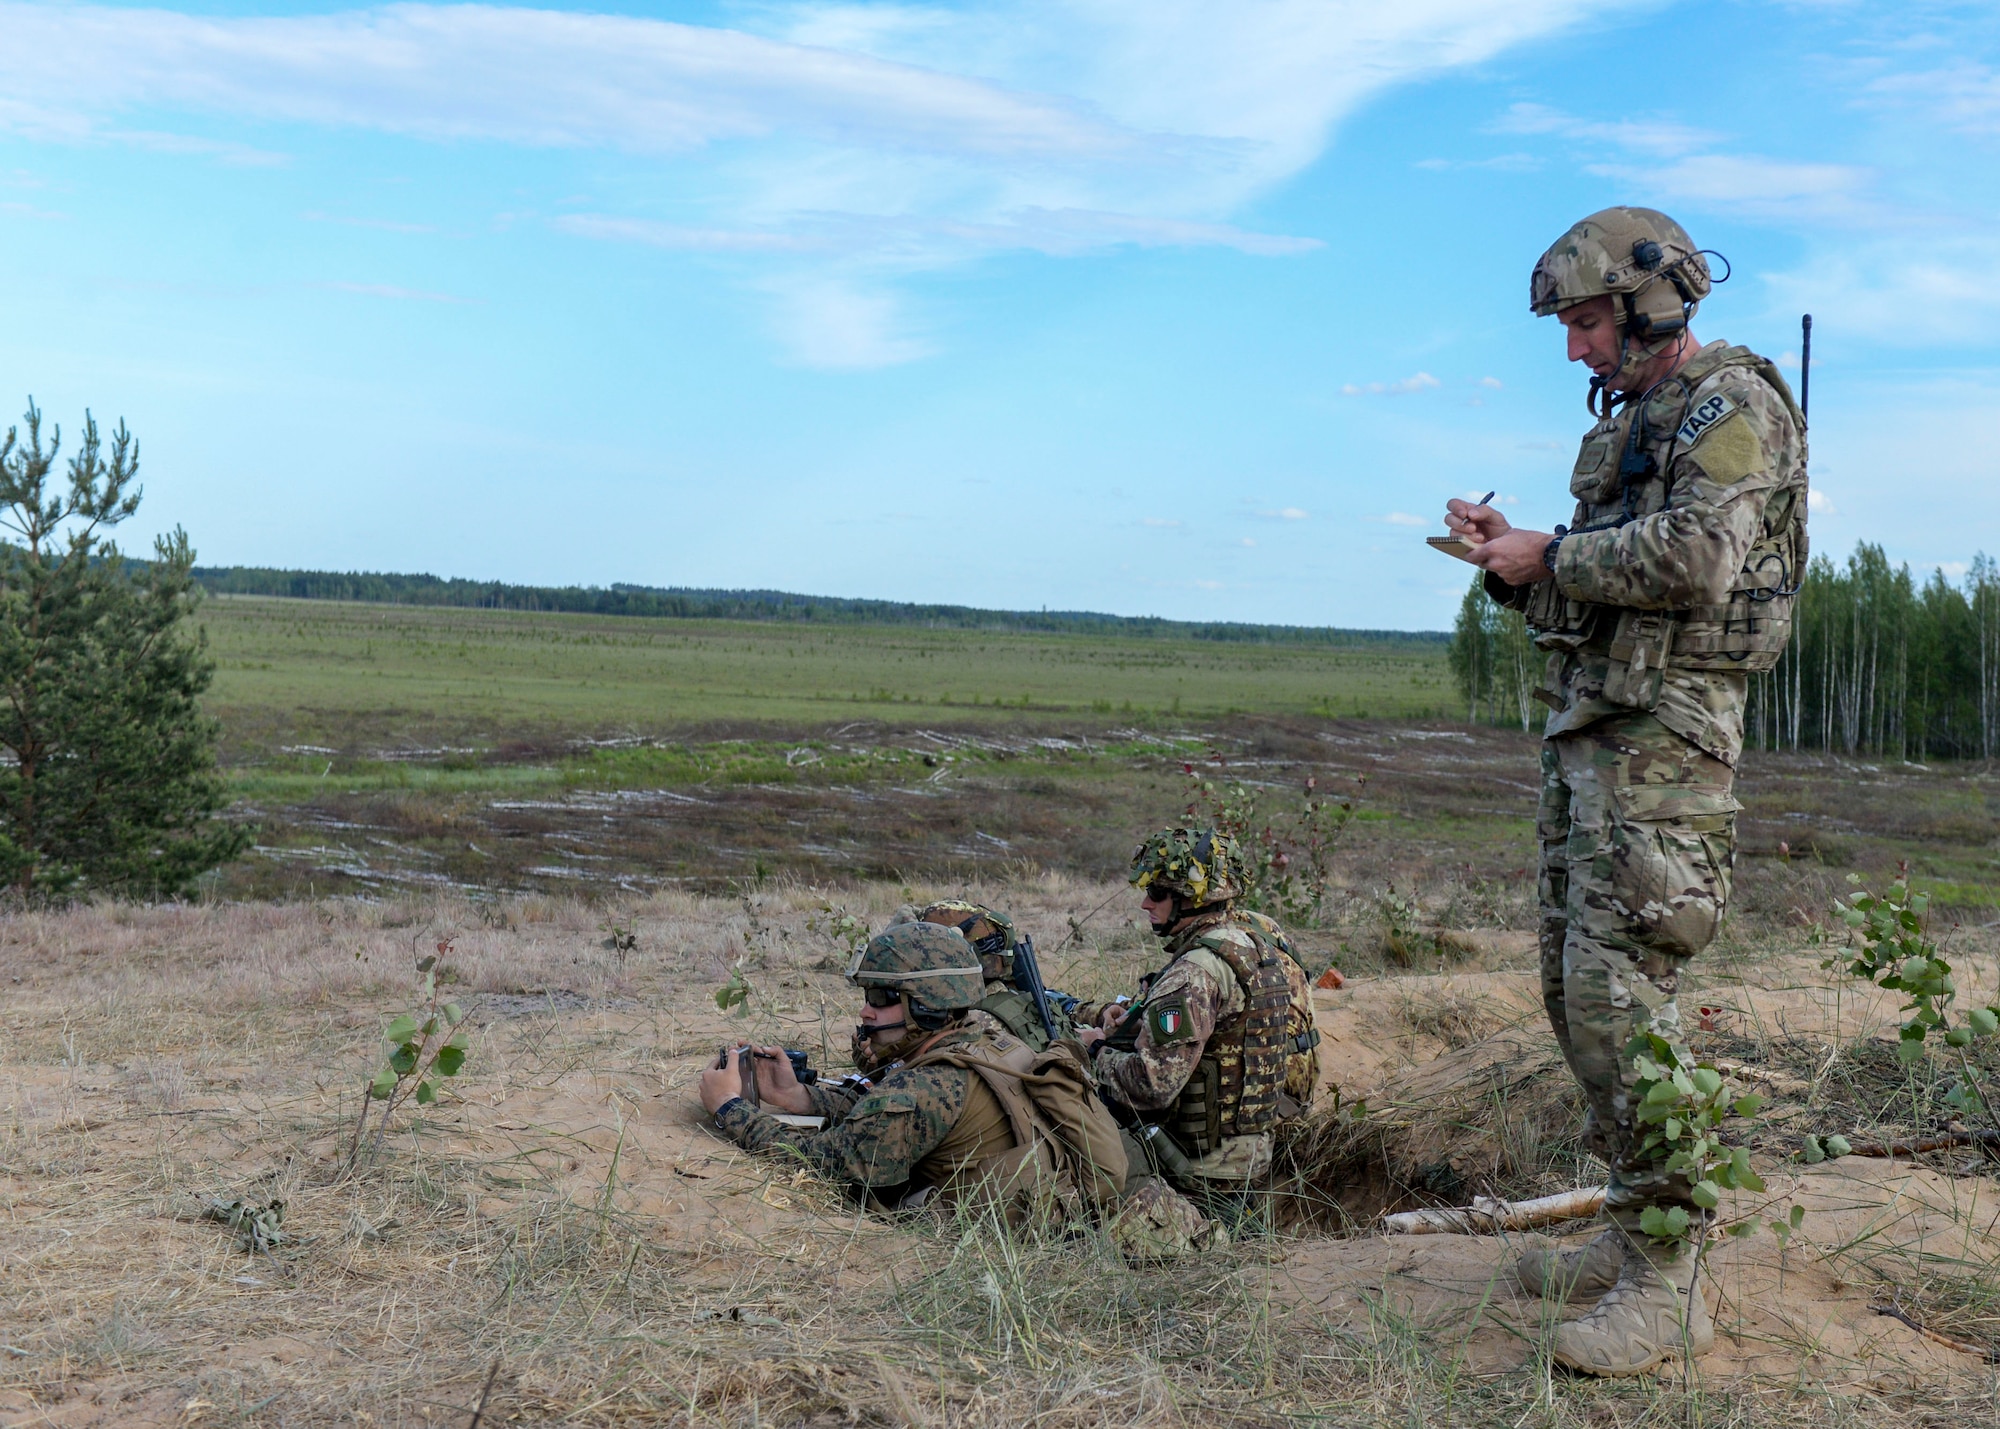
915,1128
1670,586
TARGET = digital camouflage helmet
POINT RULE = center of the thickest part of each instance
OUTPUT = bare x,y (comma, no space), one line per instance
1201,865
931,968
991,933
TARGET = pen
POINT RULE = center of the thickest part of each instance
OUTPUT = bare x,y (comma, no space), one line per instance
1489,496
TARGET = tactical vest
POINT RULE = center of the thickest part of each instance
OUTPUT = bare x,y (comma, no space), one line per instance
1015,1011
984,1146
1623,475
1249,1076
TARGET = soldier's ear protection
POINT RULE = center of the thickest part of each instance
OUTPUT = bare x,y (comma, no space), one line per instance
1661,309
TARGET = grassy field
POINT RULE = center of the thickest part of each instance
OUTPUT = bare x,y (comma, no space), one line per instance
346,676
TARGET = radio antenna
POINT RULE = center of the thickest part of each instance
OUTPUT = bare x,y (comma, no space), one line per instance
1805,367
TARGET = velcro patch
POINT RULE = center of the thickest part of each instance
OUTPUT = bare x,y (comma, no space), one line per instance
1168,1022
1713,409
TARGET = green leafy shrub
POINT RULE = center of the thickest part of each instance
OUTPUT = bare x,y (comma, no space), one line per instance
420,1049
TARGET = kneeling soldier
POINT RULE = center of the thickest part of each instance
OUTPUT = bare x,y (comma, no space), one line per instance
943,1114
1010,1005
1220,1047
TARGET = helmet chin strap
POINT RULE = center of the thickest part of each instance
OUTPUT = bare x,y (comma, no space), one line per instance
1602,399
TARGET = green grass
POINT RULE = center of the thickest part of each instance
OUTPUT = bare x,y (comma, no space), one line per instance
292,670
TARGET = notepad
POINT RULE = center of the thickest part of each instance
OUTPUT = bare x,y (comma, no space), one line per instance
1451,545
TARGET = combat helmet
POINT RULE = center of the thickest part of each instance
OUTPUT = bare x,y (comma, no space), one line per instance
992,934
1637,256
931,968
1201,865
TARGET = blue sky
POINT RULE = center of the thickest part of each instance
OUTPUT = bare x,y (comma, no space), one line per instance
1143,306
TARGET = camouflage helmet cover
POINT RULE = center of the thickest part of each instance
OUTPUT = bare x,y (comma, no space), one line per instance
991,933
1201,864
1638,255
933,967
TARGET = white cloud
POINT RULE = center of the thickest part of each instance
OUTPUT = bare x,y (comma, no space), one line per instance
1403,518
1898,293
1247,541
1753,186
1417,382
1819,501
1964,96
1656,136
1953,570
1289,513
834,322
1493,382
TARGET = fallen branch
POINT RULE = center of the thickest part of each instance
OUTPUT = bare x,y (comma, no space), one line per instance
1488,1216
1895,1312
1934,1143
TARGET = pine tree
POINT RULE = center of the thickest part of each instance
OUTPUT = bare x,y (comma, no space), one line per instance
107,763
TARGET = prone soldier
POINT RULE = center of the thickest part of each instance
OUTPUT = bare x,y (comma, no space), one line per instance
1011,1007
1673,584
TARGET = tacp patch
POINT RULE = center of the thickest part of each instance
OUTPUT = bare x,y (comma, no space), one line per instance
1711,410
1168,1022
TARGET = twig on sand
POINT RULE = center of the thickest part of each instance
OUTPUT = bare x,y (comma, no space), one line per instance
1934,1143
480,1409
1489,1216
1896,1312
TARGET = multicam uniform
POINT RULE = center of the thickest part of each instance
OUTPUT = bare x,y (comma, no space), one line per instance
1673,586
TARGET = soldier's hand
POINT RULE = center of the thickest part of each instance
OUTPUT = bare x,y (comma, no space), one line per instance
1113,1015
777,1084
1515,556
1476,523
1089,1035
720,1082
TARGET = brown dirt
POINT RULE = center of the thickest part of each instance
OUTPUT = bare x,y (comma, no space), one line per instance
564,1212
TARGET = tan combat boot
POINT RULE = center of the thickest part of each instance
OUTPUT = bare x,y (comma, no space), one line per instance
1639,1322
1582,1274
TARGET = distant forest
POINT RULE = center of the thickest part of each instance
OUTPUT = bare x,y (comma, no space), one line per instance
1879,664
771,605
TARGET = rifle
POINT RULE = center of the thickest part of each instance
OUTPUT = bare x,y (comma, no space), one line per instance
1028,978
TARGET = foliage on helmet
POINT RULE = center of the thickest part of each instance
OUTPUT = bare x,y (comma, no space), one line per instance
991,933
1639,256
1200,864
933,967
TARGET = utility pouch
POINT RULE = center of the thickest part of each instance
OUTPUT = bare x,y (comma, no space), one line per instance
1639,650
1594,479
1558,622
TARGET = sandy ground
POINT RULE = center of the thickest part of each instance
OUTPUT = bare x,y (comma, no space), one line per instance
154,1059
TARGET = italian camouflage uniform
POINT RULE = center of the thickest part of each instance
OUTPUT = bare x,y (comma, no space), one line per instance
923,1130
1219,1048
1674,585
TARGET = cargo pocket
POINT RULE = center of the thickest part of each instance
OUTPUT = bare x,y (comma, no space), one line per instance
1671,853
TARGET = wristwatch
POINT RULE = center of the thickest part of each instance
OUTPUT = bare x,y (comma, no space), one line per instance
1553,550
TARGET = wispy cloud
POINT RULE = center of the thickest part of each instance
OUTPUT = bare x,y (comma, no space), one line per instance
1404,518
1900,294
1964,96
383,224
1288,513
1656,136
1756,187
1417,382
401,295
841,323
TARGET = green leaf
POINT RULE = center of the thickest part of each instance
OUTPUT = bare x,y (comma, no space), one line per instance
1983,1021
383,1085
1797,1217
453,1013
1909,1052
1677,1221
426,1093
1707,1081
430,1027
404,1059
1673,1128
427,962
449,1060
1812,1153
1706,1194
402,1029
1838,1145
1958,1037
1653,1221
1743,1228
1749,1105
1662,1094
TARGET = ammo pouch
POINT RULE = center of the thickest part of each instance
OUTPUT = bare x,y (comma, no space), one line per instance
1748,632
1559,623
1639,651
1197,1114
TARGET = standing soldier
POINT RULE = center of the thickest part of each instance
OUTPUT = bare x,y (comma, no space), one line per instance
1673,585
1220,1047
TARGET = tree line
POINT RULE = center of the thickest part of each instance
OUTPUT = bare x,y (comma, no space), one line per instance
1879,663
687,603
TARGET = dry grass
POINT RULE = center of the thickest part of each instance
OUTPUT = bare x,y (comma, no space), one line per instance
564,1215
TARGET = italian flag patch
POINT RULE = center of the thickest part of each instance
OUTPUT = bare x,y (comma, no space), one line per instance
1168,1022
